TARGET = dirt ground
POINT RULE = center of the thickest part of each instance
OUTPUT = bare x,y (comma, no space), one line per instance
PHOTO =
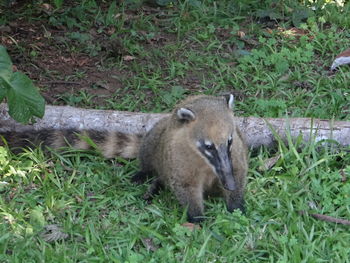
58,65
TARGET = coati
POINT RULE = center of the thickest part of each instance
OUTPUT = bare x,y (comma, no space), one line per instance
197,151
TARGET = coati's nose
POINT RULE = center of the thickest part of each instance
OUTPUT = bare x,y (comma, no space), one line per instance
230,185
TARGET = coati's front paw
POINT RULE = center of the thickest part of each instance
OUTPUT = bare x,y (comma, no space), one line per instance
148,198
236,205
140,177
153,190
195,219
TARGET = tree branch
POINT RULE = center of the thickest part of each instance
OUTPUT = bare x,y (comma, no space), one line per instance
258,131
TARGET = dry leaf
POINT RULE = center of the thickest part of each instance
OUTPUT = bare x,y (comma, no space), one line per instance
298,31
82,61
64,59
128,58
53,233
79,199
111,31
342,59
312,204
269,31
241,34
149,244
269,163
191,226
294,32
47,7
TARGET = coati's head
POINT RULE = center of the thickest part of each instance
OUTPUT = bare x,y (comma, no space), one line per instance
209,123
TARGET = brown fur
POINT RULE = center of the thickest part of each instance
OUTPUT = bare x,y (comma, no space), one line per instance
169,152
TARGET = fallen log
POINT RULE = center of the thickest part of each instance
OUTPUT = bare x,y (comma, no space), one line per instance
258,131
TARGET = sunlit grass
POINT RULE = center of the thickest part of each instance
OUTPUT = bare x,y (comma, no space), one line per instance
272,75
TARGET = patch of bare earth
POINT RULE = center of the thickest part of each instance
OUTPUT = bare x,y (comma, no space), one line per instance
61,68
44,55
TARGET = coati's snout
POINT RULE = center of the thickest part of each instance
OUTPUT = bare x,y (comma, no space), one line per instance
224,168
220,160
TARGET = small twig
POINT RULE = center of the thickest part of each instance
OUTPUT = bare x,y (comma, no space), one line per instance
328,218
331,219
60,82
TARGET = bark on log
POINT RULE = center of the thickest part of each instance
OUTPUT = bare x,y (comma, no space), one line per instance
258,131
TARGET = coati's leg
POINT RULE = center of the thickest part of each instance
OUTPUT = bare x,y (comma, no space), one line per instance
140,177
153,190
234,200
192,198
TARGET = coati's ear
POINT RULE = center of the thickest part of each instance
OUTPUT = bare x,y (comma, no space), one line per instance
230,99
185,114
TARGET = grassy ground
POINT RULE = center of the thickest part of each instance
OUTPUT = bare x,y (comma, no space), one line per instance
275,58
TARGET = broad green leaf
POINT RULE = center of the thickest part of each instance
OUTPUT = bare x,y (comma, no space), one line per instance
5,65
3,92
24,99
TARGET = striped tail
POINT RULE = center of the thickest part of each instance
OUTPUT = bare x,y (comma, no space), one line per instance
110,144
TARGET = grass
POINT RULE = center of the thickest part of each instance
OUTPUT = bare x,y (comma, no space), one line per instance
187,48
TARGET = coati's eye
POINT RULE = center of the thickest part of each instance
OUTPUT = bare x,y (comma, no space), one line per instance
209,146
229,142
